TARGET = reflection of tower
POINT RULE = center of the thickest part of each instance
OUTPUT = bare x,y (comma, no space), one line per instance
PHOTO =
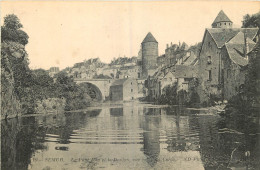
151,139
149,54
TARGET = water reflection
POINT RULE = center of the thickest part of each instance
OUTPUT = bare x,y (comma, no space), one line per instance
151,139
130,136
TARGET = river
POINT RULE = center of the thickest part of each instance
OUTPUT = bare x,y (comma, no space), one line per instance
130,136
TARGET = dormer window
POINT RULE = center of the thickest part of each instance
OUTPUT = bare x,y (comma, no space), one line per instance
209,59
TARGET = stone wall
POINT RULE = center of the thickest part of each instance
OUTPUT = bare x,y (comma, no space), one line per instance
209,87
234,77
130,89
149,56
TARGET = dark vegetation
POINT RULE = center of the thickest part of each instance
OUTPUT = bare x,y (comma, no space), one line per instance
172,97
26,86
252,21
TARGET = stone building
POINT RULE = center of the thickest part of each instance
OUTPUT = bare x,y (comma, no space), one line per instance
235,61
130,72
149,55
185,74
158,82
124,89
210,59
161,61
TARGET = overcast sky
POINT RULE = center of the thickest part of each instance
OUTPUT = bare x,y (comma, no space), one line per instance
63,33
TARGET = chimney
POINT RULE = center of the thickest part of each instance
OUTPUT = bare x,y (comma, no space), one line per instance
167,45
171,44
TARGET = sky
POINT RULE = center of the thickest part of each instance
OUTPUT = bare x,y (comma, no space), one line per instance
62,33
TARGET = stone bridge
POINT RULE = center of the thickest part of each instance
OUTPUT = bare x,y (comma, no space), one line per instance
100,87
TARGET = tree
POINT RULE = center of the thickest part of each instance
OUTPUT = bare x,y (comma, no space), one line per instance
252,21
11,30
11,21
68,89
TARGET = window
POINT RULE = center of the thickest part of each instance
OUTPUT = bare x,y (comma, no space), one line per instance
131,90
225,23
210,76
209,59
131,83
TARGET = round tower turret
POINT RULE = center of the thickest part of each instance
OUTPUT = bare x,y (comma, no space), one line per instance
222,21
149,54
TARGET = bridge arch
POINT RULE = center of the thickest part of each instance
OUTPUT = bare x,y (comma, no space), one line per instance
102,84
92,91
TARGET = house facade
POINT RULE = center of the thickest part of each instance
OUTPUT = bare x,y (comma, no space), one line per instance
211,66
235,63
124,89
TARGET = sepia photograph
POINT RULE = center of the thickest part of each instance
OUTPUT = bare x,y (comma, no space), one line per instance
122,85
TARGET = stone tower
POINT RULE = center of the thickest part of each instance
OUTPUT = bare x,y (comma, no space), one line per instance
149,55
222,21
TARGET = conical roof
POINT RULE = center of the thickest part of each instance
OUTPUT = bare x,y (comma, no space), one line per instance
149,38
222,17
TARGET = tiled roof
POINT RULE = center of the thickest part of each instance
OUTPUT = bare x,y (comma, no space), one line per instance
149,38
240,39
191,59
221,17
223,35
235,54
236,48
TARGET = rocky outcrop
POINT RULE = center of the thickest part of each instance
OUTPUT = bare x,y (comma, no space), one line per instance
10,105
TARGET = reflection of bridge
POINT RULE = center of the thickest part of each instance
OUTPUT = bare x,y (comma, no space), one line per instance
101,86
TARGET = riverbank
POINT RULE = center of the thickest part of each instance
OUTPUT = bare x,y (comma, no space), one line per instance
48,109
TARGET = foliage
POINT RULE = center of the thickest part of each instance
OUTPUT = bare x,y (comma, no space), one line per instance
252,21
11,30
252,88
169,95
31,86
66,88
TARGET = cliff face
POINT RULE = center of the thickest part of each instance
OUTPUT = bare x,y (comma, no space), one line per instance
10,52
